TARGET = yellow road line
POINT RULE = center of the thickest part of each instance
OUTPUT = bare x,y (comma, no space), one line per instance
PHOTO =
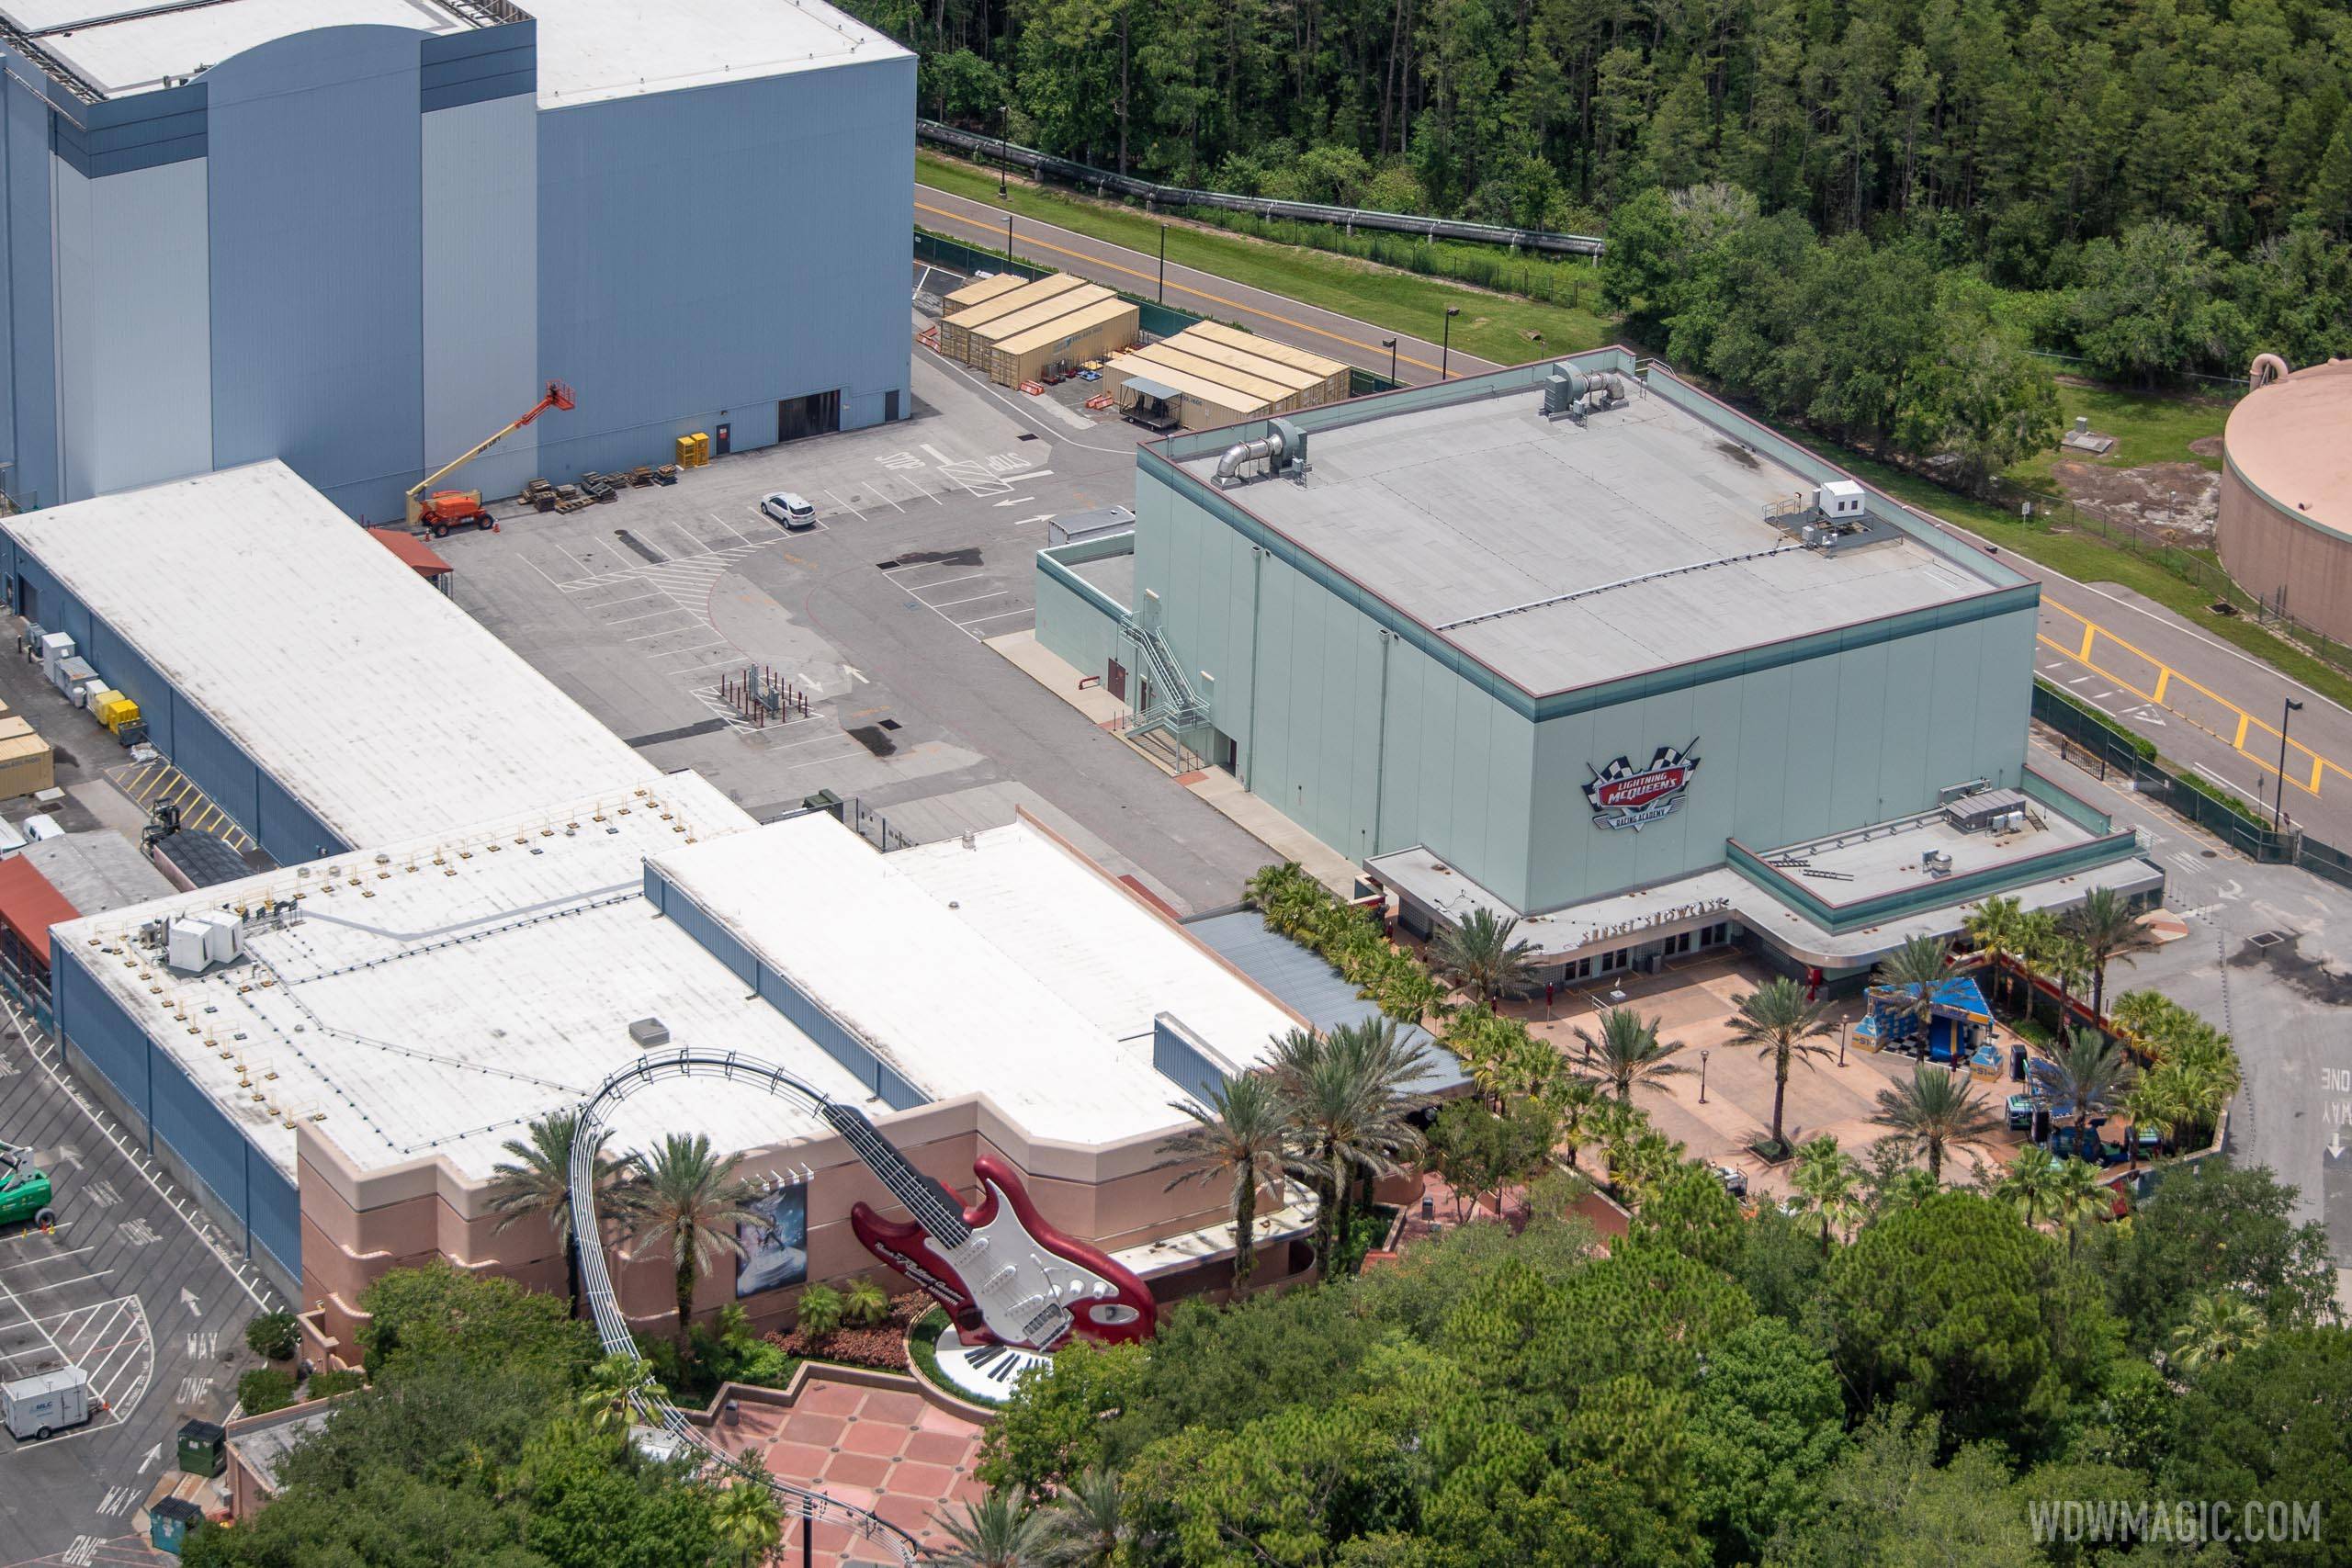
2166,674
1195,293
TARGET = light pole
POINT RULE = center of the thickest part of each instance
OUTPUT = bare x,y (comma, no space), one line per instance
2278,806
1702,1077
1390,345
1004,144
1445,348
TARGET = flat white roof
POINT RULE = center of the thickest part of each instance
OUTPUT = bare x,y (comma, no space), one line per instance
126,45
589,50
594,49
1014,968
410,1008
1564,555
381,706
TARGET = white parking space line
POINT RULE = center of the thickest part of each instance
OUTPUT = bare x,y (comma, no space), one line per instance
649,615
927,587
36,1289
37,1262
632,598
839,502
951,604
1004,615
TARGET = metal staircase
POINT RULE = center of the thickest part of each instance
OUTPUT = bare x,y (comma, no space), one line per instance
1170,701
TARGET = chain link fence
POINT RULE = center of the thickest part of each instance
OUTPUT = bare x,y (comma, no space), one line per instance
2197,568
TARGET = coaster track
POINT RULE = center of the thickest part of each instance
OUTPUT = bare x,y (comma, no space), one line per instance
612,1327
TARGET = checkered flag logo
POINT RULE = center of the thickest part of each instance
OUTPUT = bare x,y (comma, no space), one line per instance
1624,796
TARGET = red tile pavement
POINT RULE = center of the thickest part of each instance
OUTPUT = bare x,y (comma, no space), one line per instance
893,1453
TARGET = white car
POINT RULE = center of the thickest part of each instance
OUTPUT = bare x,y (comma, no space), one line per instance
792,510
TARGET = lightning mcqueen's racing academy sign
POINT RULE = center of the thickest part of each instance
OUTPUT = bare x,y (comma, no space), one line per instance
1623,796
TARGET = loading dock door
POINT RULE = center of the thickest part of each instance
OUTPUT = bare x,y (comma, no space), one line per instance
819,413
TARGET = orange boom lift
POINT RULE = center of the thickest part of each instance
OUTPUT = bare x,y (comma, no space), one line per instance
447,509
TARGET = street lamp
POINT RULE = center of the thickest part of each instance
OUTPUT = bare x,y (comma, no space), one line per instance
1702,1077
1445,348
1390,345
2278,805
1004,144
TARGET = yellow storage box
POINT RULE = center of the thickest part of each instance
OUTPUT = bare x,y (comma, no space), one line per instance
685,451
114,710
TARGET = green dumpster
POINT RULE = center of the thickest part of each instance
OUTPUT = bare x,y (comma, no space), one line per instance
169,1521
204,1448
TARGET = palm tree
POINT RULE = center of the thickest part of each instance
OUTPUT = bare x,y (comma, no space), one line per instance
2037,930
1347,1099
1571,1102
2029,1184
2150,1105
999,1531
1479,953
611,1389
750,1523
680,1193
2220,1325
1935,1112
1776,1019
2104,923
1997,927
1238,1138
1616,1124
2090,1071
1087,1523
2077,1197
1830,1182
1627,1054
1914,971
537,1182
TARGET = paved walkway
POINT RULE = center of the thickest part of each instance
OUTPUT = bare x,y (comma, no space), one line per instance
893,1453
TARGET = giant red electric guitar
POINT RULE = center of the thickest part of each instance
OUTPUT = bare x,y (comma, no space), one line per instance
1003,1274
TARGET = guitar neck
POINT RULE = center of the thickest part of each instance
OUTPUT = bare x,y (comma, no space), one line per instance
920,1196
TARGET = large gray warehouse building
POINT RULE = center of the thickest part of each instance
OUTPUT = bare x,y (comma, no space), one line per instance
358,235
1588,648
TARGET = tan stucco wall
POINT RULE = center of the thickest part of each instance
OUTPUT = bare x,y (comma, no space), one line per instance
357,1227
2265,548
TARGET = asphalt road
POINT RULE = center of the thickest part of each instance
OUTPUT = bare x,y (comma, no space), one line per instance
1418,360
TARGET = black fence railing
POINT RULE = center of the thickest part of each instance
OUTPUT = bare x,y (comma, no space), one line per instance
1070,172
2102,748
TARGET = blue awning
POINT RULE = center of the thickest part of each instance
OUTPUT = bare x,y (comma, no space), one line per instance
1144,386
1957,998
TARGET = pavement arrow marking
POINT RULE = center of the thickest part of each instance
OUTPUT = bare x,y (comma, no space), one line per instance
188,1300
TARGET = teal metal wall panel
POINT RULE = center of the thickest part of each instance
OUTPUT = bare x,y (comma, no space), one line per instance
1077,629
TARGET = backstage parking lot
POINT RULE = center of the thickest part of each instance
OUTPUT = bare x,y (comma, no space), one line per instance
853,656
133,1286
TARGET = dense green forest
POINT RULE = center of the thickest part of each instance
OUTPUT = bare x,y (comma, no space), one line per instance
1721,1390
2155,185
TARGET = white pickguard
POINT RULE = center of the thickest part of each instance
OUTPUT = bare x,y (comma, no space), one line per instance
1025,1292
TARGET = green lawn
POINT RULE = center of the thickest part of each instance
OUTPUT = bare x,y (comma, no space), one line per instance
2149,427
1492,326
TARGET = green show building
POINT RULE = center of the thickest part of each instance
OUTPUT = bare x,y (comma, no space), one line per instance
1577,643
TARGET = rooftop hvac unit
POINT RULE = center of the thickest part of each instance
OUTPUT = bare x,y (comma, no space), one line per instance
1841,500
648,1032
1985,810
192,943
1936,862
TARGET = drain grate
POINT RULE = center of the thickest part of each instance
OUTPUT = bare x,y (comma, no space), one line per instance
2269,939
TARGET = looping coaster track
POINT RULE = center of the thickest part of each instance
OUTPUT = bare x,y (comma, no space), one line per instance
612,1327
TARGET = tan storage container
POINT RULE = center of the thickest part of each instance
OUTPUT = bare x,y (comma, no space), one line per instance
27,764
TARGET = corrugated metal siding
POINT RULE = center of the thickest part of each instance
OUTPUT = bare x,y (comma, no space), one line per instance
684,237
143,131
481,313
32,336
136,352
100,1032
475,66
69,240
317,287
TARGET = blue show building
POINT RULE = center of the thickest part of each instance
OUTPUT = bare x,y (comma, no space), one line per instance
359,235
